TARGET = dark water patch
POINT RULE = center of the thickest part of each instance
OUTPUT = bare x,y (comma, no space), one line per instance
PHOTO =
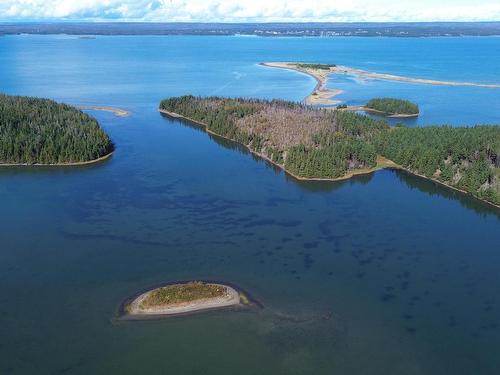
81,236
308,261
260,223
411,330
311,245
387,297
277,202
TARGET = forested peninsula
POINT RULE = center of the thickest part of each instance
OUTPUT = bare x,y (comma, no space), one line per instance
37,131
316,143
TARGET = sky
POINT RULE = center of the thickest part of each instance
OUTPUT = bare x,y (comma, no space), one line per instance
250,10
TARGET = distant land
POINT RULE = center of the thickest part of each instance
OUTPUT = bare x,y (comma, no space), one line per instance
325,29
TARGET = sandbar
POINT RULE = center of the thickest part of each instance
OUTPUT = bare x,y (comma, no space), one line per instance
119,112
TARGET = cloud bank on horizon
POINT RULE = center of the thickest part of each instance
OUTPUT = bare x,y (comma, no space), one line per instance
250,10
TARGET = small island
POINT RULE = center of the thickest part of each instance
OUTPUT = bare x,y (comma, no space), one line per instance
184,298
392,107
323,144
42,132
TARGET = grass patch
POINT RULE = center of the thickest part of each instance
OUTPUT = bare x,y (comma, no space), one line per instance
244,299
316,66
180,293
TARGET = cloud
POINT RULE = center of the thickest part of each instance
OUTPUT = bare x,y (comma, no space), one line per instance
251,10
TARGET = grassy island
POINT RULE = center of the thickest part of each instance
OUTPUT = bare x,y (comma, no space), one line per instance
41,131
185,298
316,143
181,293
315,66
390,106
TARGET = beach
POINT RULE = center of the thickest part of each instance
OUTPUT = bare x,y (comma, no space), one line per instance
119,112
75,164
232,298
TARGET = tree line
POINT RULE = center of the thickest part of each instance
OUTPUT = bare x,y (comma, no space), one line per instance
325,143
463,157
393,106
42,131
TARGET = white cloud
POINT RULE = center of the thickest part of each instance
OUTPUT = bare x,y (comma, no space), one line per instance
251,10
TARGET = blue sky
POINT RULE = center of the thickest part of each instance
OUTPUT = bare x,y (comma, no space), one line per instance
250,10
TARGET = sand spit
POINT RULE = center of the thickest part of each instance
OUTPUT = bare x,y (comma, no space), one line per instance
321,95
119,112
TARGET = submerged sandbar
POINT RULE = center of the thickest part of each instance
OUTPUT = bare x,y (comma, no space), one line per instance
119,112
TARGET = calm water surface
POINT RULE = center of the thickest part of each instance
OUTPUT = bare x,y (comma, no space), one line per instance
381,274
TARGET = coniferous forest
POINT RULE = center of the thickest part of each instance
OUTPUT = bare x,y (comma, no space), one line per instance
42,131
324,143
393,106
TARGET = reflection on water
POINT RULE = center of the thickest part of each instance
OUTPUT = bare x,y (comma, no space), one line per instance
433,188
422,184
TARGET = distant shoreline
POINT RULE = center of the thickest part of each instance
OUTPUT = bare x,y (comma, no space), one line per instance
382,163
261,29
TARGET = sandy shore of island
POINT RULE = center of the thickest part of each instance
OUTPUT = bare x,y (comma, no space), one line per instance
361,108
74,164
232,298
339,69
321,95
119,112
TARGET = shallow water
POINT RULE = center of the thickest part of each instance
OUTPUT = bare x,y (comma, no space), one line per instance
457,106
381,274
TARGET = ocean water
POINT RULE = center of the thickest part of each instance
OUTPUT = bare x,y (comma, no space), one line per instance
457,106
382,274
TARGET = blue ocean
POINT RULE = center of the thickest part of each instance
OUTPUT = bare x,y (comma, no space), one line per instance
383,274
